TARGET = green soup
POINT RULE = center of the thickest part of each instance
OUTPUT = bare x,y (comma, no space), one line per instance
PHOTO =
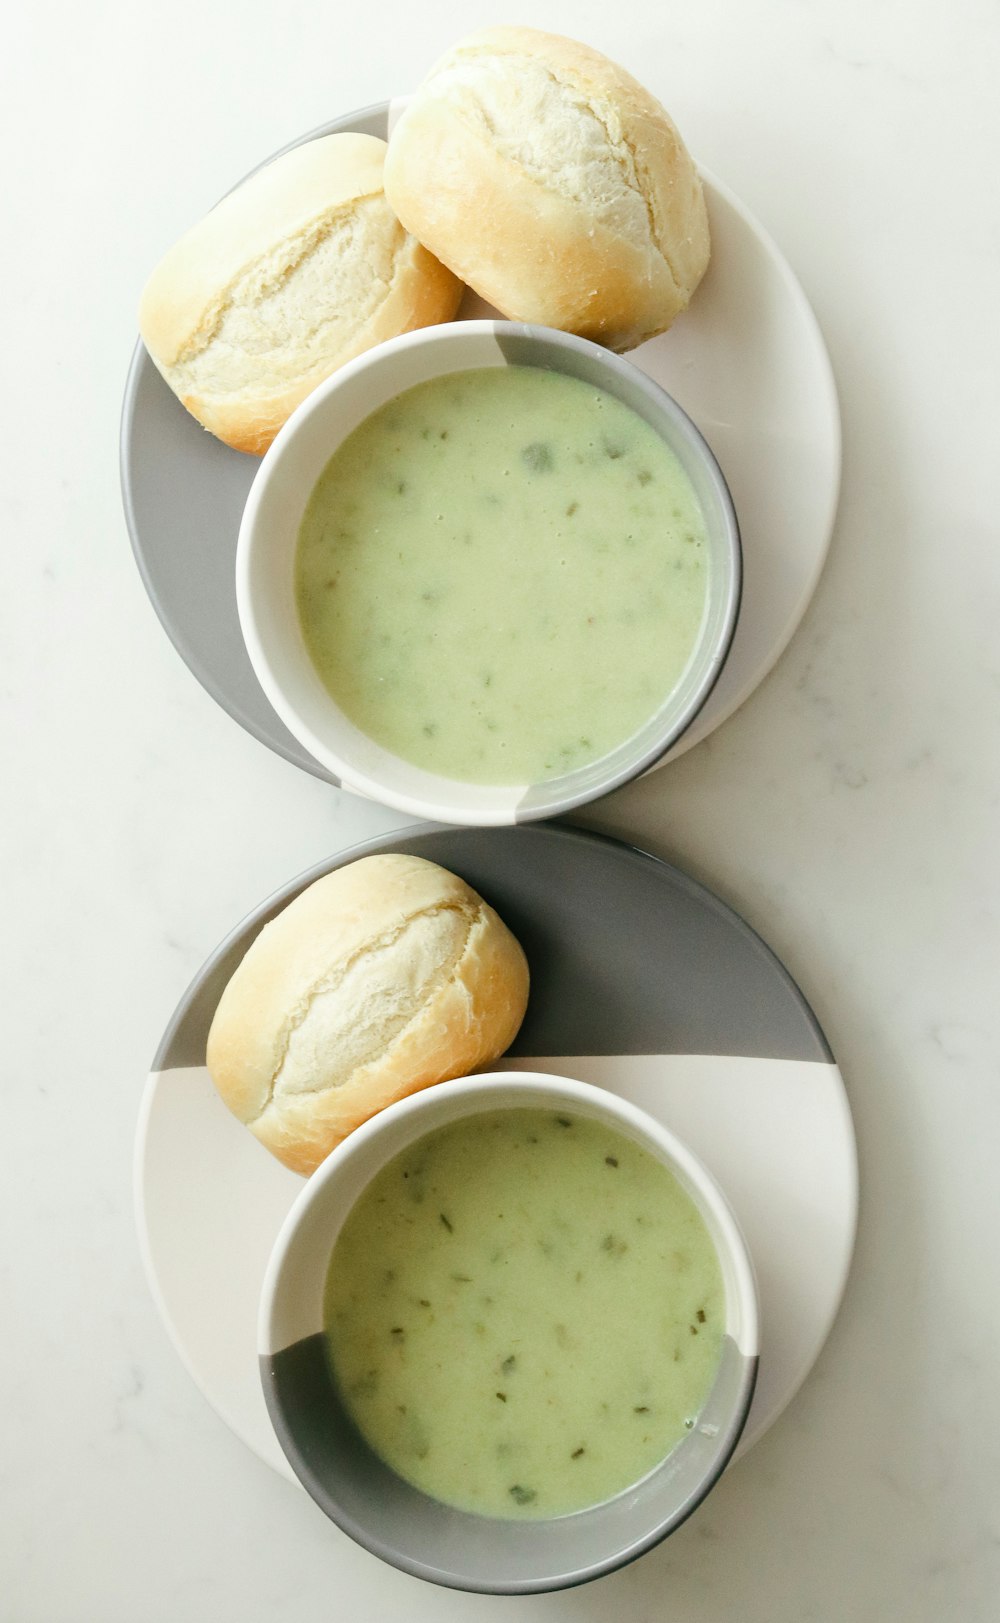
524,1313
501,574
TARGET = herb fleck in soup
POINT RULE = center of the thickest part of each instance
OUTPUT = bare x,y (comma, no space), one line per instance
524,1313
501,574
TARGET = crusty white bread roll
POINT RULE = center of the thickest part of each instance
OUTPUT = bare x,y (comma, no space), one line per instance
551,182
300,269
377,980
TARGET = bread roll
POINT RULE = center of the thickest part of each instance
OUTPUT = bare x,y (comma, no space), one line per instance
552,183
377,980
300,269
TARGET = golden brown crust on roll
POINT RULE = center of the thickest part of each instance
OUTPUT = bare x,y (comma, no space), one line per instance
380,979
547,178
300,269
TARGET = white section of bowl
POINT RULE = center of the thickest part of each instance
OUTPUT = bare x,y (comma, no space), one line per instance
293,1283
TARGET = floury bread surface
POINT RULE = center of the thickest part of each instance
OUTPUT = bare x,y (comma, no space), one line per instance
554,184
300,269
379,979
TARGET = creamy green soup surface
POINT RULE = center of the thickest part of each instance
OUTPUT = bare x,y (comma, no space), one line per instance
501,574
524,1313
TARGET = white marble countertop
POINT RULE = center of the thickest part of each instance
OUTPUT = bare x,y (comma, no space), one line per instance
848,810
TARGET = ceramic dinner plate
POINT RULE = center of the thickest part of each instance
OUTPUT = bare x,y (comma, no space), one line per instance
747,362
642,982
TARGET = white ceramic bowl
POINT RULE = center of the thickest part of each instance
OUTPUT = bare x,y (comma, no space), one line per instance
269,532
366,1498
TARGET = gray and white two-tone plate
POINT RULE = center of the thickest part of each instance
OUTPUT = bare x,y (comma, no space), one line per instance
642,982
748,364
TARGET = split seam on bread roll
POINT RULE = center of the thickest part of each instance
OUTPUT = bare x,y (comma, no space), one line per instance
362,1040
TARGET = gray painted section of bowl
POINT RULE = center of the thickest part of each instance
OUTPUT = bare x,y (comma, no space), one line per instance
627,954
463,1551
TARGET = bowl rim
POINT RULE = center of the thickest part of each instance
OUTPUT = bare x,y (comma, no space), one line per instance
467,1096
509,803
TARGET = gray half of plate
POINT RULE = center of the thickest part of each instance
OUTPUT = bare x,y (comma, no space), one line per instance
628,955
